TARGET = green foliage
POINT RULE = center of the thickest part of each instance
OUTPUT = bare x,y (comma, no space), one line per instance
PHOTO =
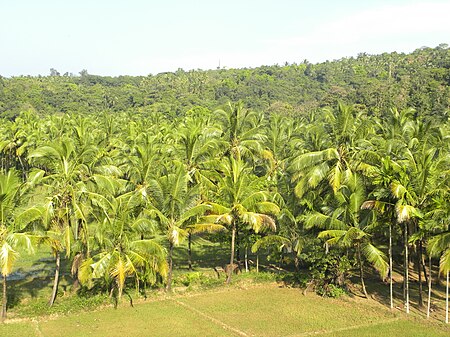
66,305
330,290
197,280
376,82
327,268
118,173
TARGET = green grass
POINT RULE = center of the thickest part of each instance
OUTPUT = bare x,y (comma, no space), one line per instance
202,306
22,329
264,310
396,328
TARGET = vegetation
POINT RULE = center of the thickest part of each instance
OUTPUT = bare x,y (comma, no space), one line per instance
284,310
374,83
112,174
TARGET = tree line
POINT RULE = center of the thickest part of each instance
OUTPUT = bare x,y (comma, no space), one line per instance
374,83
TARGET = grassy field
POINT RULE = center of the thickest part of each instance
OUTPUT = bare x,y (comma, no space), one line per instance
243,310
253,305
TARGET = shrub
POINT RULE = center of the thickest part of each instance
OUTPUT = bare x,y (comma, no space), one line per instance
330,290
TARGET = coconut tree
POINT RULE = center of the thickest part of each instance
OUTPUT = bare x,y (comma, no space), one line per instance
346,224
118,220
174,205
405,161
382,172
66,166
241,201
196,142
439,245
325,165
16,140
12,235
242,131
282,140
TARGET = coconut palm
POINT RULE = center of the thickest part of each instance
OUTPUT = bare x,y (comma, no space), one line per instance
405,164
66,166
439,245
242,131
197,142
346,224
241,201
174,205
312,169
118,220
12,235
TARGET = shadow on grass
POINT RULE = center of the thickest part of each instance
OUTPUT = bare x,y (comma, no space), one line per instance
36,281
379,291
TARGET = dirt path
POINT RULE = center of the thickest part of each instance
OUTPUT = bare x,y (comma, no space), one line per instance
210,318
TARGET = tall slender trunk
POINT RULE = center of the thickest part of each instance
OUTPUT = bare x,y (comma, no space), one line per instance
257,262
4,299
169,276
429,288
246,259
238,250
190,251
230,267
56,279
425,274
391,292
446,299
406,270
419,272
404,267
361,271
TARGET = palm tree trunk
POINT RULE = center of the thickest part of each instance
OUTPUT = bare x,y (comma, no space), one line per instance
406,270
238,250
424,268
429,289
446,299
4,299
246,259
56,279
391,293
257,262
230,267
169,276
190,251
361,271
419,272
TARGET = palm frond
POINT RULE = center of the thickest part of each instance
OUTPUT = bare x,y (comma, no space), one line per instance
205,227
406,212
85,272
269,241
444,262
377,258
7,258
311,159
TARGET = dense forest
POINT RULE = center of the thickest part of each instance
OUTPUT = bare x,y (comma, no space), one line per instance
372,83
339,168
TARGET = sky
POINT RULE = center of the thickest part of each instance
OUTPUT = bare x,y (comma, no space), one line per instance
141,37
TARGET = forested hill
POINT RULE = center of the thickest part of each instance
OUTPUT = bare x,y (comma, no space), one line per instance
370,82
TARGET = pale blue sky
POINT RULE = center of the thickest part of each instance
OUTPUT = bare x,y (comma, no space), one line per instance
138,37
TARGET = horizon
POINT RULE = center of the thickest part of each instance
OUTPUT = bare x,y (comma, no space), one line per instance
78,74
142,38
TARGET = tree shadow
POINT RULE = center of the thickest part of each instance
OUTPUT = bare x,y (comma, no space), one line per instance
378,290
36,281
